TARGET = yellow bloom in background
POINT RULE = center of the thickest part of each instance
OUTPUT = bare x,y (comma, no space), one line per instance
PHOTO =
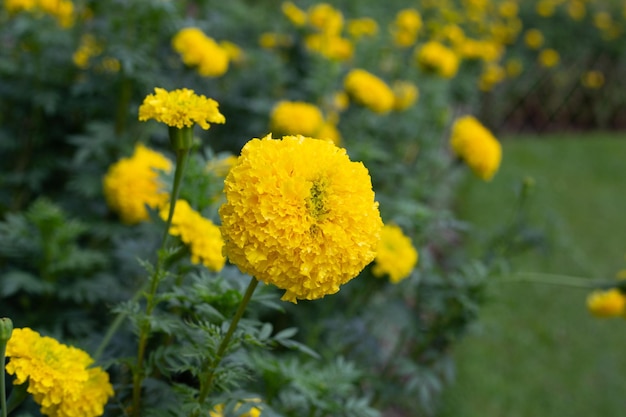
545,8
200,234
201,51
406,27
221,166
218,410
487,51
602,20
271,40
435,57
513,67
368,90
299,215
296,16
87,49
576,9
61,10
325,18
340,101
592,79
180,108
533,38
405,94
329,131
365,26
59,377
548,58
133,183
606,303
452,34
492,74
330,46
296,118
396,256
477,146
508,9
234,52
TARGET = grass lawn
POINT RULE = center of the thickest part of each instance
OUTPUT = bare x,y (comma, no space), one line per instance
536,352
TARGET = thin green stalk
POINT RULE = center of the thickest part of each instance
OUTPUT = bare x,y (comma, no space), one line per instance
207,384
6,329
556,279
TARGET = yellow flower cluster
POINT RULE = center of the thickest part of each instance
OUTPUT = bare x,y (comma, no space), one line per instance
492,74
296,16
133,183
549,58
396,256
369,91
296,118
405,27
359,28
200,234
488,51
405,94
325,18
330,46
87,49
180,108
201,51
218,410
59,377
300,215
607,303
437,58
475,144
61,10
533,38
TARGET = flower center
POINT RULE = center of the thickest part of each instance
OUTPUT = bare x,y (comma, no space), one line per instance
315,203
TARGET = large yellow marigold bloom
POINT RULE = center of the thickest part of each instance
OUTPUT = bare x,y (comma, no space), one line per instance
300,215
180,108
396,256
200,234
369,90
59,376
475,144
133,183
296,118
606,303
199,50
435,57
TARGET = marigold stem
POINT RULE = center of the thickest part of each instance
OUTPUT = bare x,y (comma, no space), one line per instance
6,328
207,384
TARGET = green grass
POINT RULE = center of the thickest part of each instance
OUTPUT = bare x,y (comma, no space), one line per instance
536,352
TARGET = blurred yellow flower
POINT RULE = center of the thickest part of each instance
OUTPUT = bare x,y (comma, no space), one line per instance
435,57
87,49
271,40
548,58
61,10
59,377
329,131
368,90
133,183
325,18
452,34
221,166
296,118
296,16
330,46
218,410
180,108
602,20
487,51
545,8
200,51
405,94
406,26
396,256
576,9
492,74
200,234
533,38
234,52
513,67
299,215
365,26
592,79
477,146
508,9
606,303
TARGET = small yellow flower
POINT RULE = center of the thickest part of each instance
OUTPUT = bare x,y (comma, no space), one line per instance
87,49
405,94
368,90
296,118
133,183
180,108
476,145
296,16
406,27
365,26
545,8
60,377
218,410
299,215
396,256
200,234
330,46
548,58
492,74
513,67
271,40
325,18
592,79
435,57
201,51
533,38
61,10
576,9
606,303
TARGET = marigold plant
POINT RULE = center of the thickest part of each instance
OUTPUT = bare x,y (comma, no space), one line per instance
477,146
368,90
396,256
437,58
606,303
199,50
300,215
296,118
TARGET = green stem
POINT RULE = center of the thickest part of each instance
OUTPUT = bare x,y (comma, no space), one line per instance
556,279
6,329
207,384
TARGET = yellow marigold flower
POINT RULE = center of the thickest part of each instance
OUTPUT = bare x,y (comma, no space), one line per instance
435,57
59,377
452,34
369,91
325,18
396,256
300,215
234,52
61,10
545,8
87,49
406,26
329,131
606,303
295,15
405,94
548,58
200,234
488,51
492,74
475,144
14,6
592,79
133,183
296,118
218,410
602,20
508,9
576,9
201,51
330,46
271,40
180,108
533,38
340,101
365,26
